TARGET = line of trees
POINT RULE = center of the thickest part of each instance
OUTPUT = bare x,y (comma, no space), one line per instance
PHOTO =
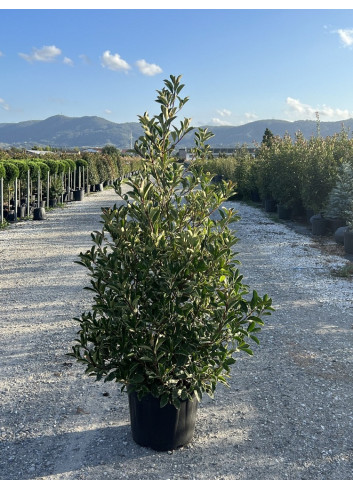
295,173
46,180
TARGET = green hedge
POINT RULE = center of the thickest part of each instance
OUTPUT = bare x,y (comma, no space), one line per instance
295,172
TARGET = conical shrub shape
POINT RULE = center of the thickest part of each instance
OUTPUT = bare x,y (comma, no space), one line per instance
169,309
341,196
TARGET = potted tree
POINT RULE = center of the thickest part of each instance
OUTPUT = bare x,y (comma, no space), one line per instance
170,309
56,190
11,174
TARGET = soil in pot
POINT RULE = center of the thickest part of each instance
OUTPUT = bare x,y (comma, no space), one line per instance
159,428
348,242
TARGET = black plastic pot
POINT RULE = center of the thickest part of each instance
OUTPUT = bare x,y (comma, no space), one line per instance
348,242
21,211
309,214
335,223
53,202
283,212
255,197
79,194
339,234
270,205
39,214
10,217
318,225
159,428
99,187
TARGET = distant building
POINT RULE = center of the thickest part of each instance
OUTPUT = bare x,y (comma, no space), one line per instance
37,152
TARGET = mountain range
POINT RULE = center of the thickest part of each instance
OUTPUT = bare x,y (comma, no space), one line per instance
90,131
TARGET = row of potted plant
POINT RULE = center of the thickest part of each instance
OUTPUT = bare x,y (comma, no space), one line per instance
295,177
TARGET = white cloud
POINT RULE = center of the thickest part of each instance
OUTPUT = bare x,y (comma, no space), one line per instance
1,54
218,122
45,54
107,111
4,105
68,61
306,111
251,117
85,59
224,112
346,36
148,69
114,62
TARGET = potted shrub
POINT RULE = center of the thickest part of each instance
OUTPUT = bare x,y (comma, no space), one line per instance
286,174
262,174
348,235
56,190
170,309
319,176
340,197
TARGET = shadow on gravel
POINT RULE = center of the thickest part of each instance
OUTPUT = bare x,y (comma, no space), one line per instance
48,456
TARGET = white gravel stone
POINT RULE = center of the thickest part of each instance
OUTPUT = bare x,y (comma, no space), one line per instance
288,413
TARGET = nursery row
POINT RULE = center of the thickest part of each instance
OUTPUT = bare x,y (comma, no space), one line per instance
27,185
298,177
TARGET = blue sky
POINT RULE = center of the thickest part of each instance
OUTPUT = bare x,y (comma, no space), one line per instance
238,65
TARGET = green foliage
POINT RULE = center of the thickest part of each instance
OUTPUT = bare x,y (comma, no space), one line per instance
71,165
53,166
62,167
2,170
44,169
56,187
236,168
23,168
111,150
11,172
285,170
268,138
81,163
346,271
341,196
319,173
170,309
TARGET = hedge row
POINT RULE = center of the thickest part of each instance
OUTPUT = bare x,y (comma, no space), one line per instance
101,167
296,173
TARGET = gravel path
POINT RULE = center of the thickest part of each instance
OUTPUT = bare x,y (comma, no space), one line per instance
287,415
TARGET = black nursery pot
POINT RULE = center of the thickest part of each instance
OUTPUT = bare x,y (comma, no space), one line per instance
318,225
79,194
39,214
159,428
284,212
270,205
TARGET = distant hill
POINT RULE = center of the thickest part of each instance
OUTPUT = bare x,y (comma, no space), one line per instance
90,131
